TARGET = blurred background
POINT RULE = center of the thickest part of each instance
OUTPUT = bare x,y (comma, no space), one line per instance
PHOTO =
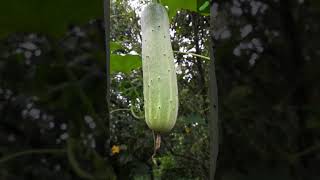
54,121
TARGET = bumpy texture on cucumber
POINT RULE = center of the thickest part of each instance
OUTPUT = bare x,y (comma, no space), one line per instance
159,75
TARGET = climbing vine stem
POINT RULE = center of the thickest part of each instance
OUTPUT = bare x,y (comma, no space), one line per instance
193,54
33,151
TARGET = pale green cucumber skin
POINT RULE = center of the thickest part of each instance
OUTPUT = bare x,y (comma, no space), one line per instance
160,87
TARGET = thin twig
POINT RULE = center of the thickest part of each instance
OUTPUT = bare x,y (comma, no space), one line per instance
121,109
193,54
126,109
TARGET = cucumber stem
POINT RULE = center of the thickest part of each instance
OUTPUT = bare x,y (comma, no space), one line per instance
157,142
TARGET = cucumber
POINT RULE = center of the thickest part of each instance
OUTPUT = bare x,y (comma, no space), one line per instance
160,87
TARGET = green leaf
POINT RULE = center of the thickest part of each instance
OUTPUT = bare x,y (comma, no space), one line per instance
204,6
115,46
176,5
191,5
48,17
125,64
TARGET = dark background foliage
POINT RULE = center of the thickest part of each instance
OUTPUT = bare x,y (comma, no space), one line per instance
53,92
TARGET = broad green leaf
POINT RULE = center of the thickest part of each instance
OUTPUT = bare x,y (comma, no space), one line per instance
125,64
191,5
48,17
115,46
176,5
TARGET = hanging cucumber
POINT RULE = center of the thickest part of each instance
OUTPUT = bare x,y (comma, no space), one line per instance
159,75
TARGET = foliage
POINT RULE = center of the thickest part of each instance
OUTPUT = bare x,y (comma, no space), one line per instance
125,63
51,98
46,17
261,102
52,93
191,5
